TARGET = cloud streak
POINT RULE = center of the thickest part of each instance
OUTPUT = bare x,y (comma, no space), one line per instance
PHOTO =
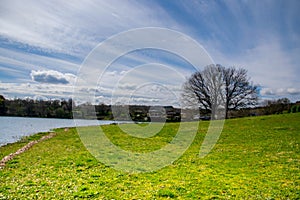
73,27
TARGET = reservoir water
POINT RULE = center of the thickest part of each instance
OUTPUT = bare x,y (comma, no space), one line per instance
13,128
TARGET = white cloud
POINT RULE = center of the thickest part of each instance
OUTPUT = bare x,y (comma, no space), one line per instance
11,90
128,86
52,77
19,64
280,91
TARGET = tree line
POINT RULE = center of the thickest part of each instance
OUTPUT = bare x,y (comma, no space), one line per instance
36,108
66,109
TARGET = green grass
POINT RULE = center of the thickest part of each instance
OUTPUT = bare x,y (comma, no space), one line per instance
255,158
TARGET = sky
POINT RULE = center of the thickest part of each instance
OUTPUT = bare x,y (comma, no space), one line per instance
45,44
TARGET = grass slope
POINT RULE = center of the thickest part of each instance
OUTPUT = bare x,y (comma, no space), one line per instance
255,158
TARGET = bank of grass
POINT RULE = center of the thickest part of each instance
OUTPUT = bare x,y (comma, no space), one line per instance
255,158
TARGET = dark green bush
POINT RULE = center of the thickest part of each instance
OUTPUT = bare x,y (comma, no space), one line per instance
294,108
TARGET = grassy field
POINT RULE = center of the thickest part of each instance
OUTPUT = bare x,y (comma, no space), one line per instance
255,158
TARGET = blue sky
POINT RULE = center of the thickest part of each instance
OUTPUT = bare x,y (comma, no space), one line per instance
43,43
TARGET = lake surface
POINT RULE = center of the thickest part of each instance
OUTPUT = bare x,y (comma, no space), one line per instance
13,128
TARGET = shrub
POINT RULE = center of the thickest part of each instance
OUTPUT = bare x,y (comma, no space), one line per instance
293,109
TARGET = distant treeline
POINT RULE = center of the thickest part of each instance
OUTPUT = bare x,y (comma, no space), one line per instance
139,113
66,108
269,107
36,108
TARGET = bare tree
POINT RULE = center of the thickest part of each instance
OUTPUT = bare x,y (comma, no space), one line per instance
205,90
217,87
